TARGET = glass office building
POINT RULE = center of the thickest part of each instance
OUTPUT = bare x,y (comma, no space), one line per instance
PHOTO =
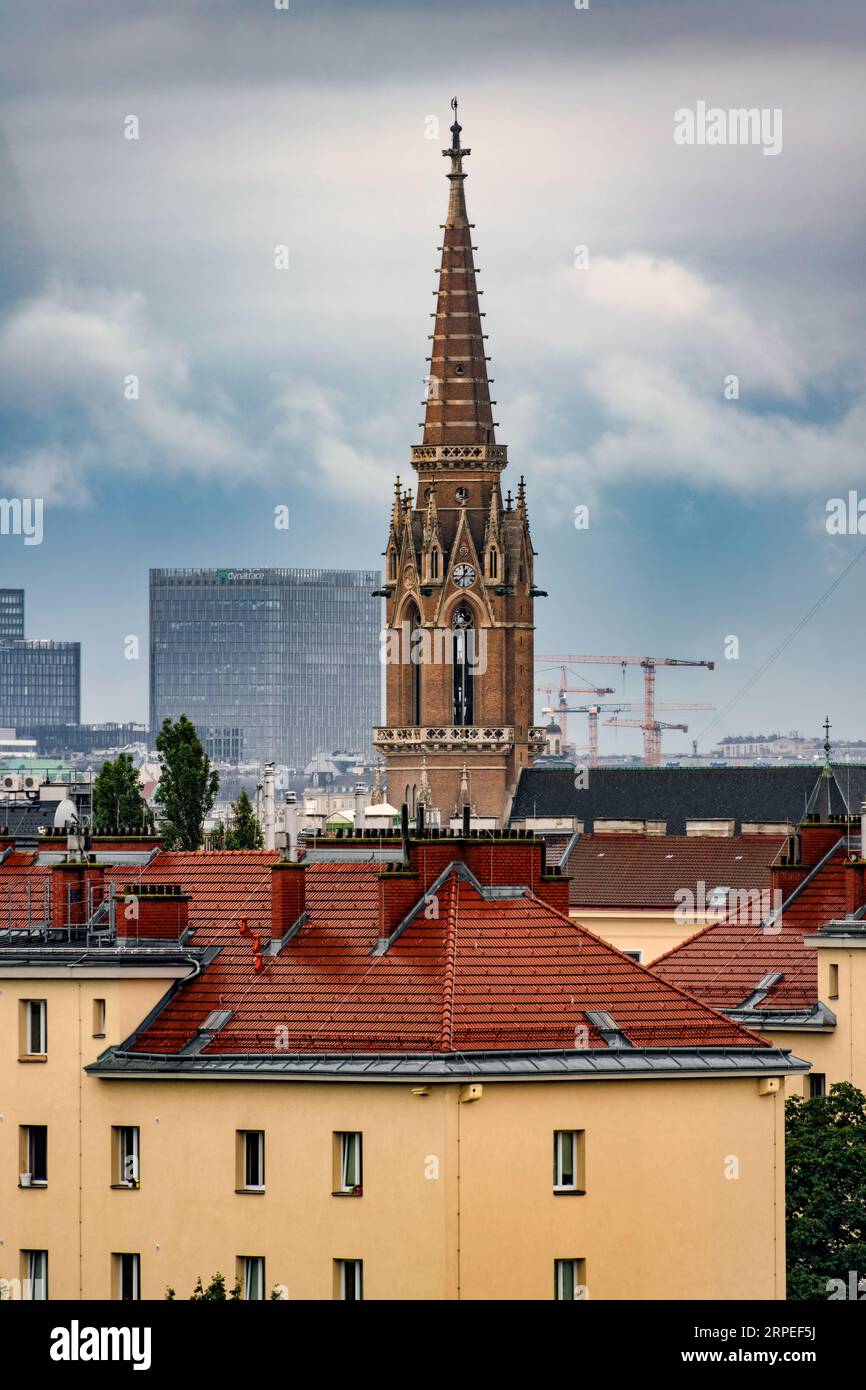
267,663
11,615
40,683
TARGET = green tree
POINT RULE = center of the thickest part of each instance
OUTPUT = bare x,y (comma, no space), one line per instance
216,838
826,1191
117,800
188,785
215,1291
244,831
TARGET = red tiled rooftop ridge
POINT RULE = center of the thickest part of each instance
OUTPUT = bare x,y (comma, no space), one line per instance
723,963
620,871
487,965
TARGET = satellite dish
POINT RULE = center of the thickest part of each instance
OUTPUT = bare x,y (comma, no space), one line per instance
65,814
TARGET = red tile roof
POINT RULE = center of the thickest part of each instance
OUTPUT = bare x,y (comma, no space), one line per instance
723,963
486,973
648,871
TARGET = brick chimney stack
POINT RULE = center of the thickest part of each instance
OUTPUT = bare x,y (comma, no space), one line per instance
508,859
288,896
152,914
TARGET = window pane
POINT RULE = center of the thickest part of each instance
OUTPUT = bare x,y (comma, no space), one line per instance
38,1153
37,1274
254,1277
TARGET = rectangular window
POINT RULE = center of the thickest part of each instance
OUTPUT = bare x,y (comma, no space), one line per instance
126,1277
834,982
34,1274
34,1028
125,1162
252,1275
33,1156
348,1163
569,1280
99,1018
250,1160
568,1161
349,1280
817,1084
634,955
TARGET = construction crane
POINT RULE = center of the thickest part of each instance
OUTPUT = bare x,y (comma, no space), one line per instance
652,740
592,712
657,726
562,710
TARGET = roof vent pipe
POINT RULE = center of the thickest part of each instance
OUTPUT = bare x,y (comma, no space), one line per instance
268,808
291,823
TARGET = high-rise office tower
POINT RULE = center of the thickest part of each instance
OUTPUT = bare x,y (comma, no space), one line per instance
267,663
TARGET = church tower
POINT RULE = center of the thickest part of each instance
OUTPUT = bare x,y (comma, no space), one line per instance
458,572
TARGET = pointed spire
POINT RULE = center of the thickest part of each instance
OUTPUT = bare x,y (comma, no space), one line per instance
377,797
395,509
431,518
492,529
456,201
425,795
822,801
458,406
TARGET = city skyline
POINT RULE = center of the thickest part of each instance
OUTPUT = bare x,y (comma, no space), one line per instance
262,387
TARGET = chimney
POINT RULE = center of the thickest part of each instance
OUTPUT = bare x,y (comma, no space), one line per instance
268,807
360,804
71,903
290,821
152,914
288,895
855,889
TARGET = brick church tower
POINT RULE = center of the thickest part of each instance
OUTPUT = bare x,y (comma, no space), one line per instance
458,573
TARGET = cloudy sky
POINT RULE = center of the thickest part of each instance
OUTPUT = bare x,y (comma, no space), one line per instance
315,128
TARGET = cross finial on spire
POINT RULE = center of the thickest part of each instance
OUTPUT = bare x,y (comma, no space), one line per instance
827,727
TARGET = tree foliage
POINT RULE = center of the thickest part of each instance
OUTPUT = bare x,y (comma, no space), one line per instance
826,1191
244,831
216,1292
117,800
188,785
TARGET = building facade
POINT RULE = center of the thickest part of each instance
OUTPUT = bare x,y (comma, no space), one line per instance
11,615
277,1069
40,683
267,663
459,573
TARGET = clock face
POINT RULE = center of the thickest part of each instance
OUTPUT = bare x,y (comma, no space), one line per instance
463,576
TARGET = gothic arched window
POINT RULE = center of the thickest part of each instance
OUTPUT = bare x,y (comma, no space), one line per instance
464,658
415,651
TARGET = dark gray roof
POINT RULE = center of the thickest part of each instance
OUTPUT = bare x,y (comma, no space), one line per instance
680,794
817,1019
503,1066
